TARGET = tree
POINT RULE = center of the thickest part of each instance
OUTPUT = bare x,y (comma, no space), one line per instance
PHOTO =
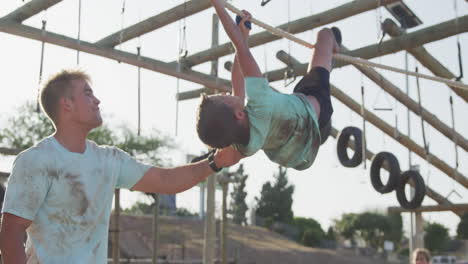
373,228
436,238
310,231
276,200
238,204
346,226
462,228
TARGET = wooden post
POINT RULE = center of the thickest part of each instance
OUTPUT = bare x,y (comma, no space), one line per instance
116,229
224,223
209,245
155,228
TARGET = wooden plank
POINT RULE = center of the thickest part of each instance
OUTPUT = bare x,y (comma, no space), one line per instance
431,208
424,57
344,11
122,56
179,12
30,9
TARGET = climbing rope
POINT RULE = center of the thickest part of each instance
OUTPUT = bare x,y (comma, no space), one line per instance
346,58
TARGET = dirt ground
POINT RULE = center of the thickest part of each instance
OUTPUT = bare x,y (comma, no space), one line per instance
183,239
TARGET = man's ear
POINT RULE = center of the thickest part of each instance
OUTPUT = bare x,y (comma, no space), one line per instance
66,104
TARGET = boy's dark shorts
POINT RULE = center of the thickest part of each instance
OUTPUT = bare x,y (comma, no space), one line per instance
317,83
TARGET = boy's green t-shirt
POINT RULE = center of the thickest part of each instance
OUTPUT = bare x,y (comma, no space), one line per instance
284,126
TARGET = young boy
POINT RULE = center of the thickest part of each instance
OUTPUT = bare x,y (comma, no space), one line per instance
286,126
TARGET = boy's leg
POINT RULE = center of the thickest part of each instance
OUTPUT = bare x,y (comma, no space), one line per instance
316,83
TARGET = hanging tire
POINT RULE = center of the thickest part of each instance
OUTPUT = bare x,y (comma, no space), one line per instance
393,169
325,132
419,190
342,145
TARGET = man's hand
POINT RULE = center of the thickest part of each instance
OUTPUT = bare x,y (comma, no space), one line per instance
227,157
246,16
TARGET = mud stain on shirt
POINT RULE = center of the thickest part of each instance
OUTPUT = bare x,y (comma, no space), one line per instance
77,189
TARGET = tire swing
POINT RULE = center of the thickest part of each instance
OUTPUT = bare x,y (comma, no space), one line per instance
342,145
419,190
393,167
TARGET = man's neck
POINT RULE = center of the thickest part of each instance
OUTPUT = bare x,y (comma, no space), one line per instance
71,138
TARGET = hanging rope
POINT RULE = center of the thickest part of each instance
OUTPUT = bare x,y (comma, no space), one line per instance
289,72
122,22
426,145
139,91
41,67
460,63
363,113
79,33
346,58
455,138
182,53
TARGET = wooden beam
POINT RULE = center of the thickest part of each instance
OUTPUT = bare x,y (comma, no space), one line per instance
179,12
431,208
429,191
9,151
344,11
30,9
408,41
122,56
413,105
424,57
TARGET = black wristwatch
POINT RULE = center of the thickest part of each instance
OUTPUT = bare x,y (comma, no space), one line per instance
212,163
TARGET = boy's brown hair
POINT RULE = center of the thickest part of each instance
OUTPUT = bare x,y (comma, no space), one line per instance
59,86
217,125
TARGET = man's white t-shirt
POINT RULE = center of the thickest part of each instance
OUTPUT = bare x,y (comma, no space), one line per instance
68,198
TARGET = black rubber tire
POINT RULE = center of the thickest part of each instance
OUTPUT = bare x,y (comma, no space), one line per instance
393,169
325,132
419,190
342,145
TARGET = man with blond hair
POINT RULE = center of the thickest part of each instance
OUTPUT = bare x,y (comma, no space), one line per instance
60,190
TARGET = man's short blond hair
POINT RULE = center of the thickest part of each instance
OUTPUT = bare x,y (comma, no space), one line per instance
57,87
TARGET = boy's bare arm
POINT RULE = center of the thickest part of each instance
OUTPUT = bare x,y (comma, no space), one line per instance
246,61
237,79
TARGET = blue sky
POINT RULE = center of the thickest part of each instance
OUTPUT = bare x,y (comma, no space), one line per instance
324,191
